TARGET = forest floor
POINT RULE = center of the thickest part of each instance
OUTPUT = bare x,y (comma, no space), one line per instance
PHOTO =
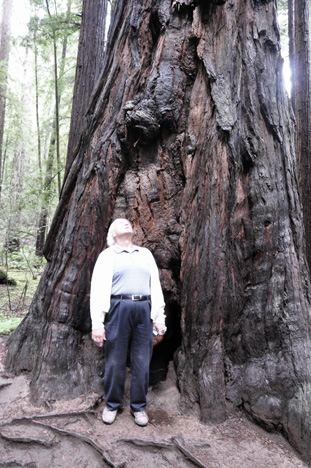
70,434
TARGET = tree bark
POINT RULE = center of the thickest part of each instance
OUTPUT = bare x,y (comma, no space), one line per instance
89,65
302,106
190,136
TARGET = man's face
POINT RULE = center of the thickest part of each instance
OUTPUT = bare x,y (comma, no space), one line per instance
121,227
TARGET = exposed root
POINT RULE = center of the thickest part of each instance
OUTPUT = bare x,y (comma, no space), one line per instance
104,454
179,445
4,385
27,440
15,464
33,419
201,444
47,415
91,423
146,443
176,443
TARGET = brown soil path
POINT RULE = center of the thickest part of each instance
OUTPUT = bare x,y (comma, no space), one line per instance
79,439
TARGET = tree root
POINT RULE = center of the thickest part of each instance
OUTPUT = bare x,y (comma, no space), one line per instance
33,419
175,444
179,445
4,385
47,415
86,416
104,454
146,443
15,464
27,440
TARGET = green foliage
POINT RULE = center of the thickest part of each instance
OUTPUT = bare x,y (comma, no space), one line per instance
61,24
3,72
15,300
282,4
30,120
8,324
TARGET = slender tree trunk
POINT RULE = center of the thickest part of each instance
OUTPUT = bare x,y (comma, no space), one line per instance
302,106
47,186
13,240
16,175
4,58
3,162
89,65
291,40
190,136
37,109
57,99
47,195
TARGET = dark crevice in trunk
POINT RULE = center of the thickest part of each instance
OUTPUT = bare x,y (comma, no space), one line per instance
164,352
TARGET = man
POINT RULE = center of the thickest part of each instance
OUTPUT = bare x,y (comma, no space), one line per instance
126,306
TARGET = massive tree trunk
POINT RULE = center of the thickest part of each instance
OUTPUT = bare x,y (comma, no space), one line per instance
190,136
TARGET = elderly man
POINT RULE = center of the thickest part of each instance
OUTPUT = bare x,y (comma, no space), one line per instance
126,306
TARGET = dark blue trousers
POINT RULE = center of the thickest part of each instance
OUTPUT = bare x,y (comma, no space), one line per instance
128,326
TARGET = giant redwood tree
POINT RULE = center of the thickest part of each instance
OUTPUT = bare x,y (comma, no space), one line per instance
190,135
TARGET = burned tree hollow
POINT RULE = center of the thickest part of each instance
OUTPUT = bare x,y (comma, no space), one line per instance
163,353
189,135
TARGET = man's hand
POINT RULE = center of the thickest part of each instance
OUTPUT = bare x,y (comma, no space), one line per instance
160,327
98,336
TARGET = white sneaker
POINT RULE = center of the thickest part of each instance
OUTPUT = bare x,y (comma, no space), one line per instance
109,416
141,417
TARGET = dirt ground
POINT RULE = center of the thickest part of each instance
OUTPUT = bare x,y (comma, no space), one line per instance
70,434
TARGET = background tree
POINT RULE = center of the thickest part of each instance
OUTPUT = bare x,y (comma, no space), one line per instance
291,44
4,58
54,144
301,92
31,92
190,136
89,65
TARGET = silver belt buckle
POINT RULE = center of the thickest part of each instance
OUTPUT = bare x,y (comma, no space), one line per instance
135,297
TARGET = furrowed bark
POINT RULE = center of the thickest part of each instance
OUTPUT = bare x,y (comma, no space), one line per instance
301,92
89,64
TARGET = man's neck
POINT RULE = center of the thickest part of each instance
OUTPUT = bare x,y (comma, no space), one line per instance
125,242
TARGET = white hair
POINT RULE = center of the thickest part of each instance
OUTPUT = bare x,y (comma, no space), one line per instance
110,238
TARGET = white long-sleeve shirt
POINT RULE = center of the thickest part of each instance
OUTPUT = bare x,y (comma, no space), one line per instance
101,286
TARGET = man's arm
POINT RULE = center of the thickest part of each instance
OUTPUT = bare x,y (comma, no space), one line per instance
157,299
100,294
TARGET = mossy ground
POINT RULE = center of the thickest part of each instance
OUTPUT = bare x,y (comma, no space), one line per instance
15,300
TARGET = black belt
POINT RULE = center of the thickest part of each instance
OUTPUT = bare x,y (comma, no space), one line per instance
133,297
